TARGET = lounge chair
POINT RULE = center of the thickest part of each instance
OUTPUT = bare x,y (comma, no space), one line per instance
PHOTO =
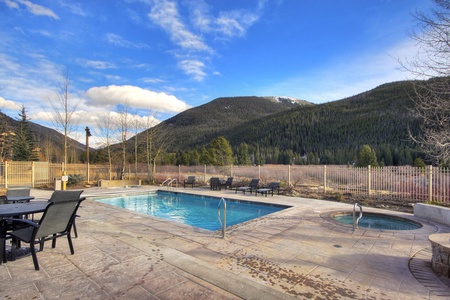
189,181
56,221
252,186
214,183
227,184
273,186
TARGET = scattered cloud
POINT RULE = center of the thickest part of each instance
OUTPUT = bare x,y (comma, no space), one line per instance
8,104
117,40
33,8
96,64
193,68
113,95
189,33
152,80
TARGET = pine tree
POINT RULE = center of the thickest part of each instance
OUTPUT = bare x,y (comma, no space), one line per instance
366,157
24,145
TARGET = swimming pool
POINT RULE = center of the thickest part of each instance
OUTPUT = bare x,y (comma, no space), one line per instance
194,210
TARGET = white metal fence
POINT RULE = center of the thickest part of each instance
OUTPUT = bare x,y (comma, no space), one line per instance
403,183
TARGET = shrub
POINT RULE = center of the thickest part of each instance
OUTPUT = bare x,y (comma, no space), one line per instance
74,179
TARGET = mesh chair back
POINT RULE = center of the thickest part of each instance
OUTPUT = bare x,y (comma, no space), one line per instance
62,196
18,192
58,217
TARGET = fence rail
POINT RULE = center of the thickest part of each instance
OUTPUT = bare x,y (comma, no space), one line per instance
403,183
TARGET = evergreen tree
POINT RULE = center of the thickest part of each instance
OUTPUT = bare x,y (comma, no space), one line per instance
243,157
366,157
220,152
24,144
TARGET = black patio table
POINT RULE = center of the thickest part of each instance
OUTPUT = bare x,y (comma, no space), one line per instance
16,210
20,209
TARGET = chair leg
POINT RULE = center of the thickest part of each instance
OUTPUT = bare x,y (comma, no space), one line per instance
3,241
75,228
34,255
69,239
41,245
54,241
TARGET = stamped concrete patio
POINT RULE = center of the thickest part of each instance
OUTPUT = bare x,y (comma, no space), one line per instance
298,253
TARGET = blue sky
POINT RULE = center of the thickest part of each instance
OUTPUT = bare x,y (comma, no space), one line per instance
164,56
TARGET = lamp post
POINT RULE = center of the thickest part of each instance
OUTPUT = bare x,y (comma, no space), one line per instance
88,134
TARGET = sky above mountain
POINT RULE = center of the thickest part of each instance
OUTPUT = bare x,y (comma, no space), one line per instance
160,57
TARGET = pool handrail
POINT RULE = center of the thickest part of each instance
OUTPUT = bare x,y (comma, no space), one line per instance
224,223
169,185
355,220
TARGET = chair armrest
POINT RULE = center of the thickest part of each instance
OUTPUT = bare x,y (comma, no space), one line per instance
28,222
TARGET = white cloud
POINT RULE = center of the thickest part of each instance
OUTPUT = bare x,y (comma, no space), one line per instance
117,40
96,64
35,9
193,68
165,14
11,4
8,104
137,97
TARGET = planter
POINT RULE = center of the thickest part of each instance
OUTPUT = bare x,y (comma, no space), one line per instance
435,213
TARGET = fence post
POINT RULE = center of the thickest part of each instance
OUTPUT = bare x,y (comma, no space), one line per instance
325,178
179,173
368,180
430,184
32,174
204,172
289,175
6,174
259,171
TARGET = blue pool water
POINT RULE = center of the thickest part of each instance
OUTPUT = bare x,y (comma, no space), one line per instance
378,221
194,210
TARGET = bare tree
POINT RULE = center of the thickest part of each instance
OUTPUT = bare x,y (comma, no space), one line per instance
150,122
63,114
138,126
107,129
123,125
432,97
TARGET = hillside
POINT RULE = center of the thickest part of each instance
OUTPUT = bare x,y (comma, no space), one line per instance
200,124
332,132
50,141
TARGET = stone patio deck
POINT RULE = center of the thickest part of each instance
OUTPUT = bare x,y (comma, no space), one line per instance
298,253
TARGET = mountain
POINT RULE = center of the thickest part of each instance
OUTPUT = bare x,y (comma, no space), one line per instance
331,132
50,141
199,125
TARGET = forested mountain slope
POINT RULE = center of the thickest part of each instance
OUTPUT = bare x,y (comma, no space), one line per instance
329,133
199,125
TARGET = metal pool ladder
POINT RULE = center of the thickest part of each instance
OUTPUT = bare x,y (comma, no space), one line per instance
224,222
356,220
169,185
169,182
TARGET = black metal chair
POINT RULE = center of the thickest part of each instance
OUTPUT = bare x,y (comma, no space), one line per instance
227,184
189,181
214,183
57,221
252,186
273,186
61,196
